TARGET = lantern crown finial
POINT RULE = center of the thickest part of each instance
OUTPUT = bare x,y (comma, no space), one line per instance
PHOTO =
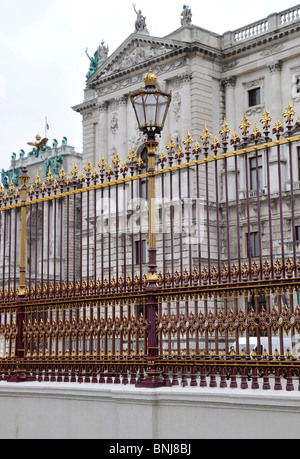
150,79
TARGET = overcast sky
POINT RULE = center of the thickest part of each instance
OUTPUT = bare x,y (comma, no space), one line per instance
43,62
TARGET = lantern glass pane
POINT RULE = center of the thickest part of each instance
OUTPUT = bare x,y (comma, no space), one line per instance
150,109
162,108
139,108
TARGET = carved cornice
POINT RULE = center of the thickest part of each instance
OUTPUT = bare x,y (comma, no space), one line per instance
87,105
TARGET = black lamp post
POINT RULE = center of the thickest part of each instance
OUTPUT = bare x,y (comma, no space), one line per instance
151,106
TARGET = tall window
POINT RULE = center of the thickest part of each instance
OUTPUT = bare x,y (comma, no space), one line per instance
253,182
254,244
254,97
297,231
140,252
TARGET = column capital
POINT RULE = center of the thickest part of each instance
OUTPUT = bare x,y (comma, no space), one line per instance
185,77
121,100
275,67
229,82
103,106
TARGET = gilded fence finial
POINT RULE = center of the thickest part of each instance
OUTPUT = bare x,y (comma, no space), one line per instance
188,140
256,133
244,126
116,160
102,164
288,113
225,131
131,156
205,136
266,119
74,171
88,168
171,145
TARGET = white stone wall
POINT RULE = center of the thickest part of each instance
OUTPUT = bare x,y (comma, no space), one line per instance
91,411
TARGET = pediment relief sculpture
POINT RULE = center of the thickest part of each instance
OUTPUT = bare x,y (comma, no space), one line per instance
140,53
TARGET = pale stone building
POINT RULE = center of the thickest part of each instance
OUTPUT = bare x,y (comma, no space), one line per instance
211,77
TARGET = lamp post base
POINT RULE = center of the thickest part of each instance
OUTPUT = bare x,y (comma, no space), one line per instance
18,376
153,380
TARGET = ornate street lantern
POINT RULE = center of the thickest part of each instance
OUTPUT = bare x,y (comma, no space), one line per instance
151,106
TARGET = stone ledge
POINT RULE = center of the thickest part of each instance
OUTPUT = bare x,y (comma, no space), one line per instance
62,410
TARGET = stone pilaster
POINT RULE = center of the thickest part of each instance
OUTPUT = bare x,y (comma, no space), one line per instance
185,80
121,103
103,138
230,114
275,71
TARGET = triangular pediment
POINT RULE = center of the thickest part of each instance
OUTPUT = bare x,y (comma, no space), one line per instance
137,50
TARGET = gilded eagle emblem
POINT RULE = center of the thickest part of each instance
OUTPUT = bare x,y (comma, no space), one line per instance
39,144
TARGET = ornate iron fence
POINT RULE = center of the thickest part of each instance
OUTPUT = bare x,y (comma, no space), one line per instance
212,300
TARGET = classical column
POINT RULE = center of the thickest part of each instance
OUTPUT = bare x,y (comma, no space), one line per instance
186,107
121,102
276,108
230,115
103,126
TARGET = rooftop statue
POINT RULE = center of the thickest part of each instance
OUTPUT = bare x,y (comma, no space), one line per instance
10,176
5,179
140,23
103,51
99,56
15,177
93,63
186,15
40,145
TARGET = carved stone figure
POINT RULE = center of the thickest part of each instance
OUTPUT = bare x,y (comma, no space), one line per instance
140,23
186,15
114,123
103,51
